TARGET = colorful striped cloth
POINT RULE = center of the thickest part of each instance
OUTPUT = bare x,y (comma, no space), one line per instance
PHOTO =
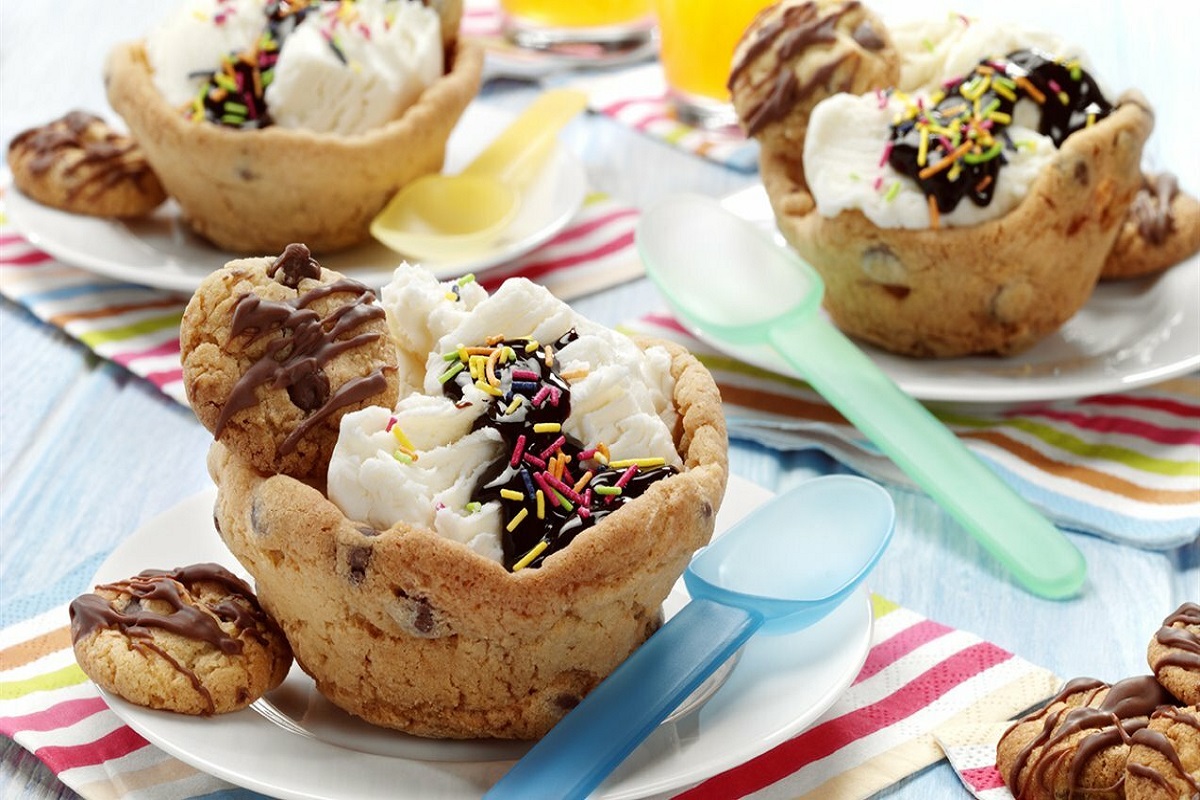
138,327
1122,466
919,676
634,95
971,749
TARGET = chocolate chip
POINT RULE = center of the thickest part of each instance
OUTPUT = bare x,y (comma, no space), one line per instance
423,619
1081,173
898,292
295,264
358,558
366,530
706,510
258,517
309,391
566,701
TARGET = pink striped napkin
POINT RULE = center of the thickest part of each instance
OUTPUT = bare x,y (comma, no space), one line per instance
918,677
1122,466
138,327
971,750
634,95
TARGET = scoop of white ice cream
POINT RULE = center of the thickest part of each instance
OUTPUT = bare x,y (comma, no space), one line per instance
845,167
934,50
620,395
191,42
353,66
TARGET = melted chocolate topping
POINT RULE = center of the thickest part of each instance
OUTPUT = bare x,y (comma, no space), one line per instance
797,28
187,616
1163,745
543,399
1183,640
108,156
1125,710
956,147
303,343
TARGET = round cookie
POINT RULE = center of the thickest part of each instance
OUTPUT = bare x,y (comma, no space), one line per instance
275,351
192,640
1077,744
78,163
829,46
1161,229
1164,760
1174,653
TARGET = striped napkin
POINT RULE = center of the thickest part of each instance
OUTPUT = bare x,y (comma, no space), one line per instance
919,675
634,95
971,750
138,327
1125,466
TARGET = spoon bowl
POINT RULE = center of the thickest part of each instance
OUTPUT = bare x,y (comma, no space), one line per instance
783,567
725,278
795,561
446,218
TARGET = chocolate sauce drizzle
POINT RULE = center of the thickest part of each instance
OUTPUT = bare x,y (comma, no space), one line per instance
187,617
956,147
1183,641
796,29
1160,742
1124,711
303,343
545,397
109,157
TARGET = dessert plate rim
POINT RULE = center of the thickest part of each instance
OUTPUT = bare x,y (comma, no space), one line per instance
161,252
780,686
1129,334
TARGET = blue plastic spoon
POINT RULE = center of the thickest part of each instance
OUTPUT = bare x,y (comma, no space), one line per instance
783,567
725,278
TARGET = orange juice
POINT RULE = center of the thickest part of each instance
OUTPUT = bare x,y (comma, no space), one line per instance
698,38
569,14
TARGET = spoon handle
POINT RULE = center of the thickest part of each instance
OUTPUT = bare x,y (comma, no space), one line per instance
1038,554
597,735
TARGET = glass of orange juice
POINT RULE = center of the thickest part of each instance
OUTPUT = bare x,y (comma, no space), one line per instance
591,28
698,38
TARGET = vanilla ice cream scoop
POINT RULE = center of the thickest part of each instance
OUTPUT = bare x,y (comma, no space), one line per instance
353,66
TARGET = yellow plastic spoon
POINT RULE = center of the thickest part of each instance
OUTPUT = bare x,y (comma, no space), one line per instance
444,218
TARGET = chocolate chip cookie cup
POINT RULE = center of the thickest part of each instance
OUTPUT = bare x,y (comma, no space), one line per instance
253,191
1037,213
410,630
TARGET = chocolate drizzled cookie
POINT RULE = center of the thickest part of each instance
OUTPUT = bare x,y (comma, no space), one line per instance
193,639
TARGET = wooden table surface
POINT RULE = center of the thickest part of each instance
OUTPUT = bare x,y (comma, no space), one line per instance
88,452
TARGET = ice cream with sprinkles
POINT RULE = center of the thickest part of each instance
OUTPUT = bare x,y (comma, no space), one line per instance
523,424
908,156
340,66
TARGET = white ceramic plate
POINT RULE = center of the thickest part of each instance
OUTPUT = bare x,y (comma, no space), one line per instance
1130,333
161,251
296,745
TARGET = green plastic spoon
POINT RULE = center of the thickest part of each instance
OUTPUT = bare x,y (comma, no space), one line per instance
443,218
725,278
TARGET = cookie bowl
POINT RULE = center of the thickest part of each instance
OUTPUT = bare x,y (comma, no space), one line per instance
997,287
413,631
258,190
